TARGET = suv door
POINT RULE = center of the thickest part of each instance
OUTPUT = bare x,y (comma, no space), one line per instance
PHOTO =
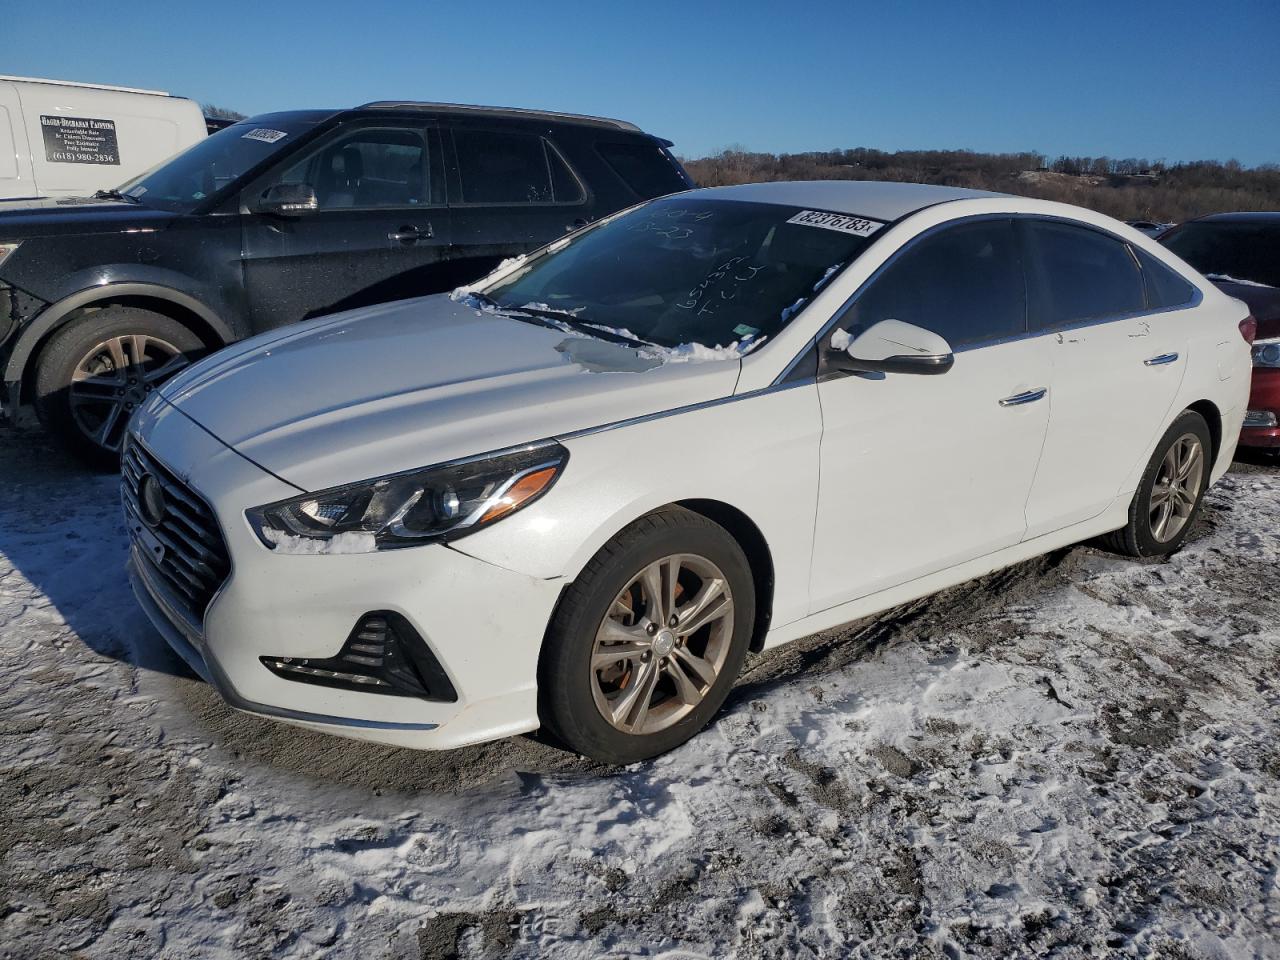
920,473
1116,367
380,230
510,192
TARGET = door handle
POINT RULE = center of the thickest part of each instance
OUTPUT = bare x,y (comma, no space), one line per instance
410,233
1027,396
1161,360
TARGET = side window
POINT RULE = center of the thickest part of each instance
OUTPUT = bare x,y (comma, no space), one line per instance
643,167
512,168
1083,275
965,283
1165,289
368,168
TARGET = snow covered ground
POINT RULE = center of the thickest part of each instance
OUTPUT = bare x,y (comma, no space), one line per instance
1078,756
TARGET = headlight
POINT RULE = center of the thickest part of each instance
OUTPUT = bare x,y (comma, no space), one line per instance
8,248
442,502
1266,353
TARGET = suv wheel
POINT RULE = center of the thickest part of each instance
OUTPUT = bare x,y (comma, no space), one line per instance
99,369
1170,491
647,642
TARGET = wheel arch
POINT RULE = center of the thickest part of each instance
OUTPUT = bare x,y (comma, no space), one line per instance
745,532
1213,418
753,543
183,308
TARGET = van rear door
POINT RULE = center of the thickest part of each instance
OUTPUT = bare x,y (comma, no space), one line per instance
16,179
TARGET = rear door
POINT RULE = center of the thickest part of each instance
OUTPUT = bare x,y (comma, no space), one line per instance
380,231
920,473
1116,368
511,190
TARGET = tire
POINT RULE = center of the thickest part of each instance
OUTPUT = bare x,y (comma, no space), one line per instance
1143,536
574,695
101,367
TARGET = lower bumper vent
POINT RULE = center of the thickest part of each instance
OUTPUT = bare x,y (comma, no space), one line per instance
383,654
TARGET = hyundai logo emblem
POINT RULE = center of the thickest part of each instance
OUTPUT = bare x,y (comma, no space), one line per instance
151,500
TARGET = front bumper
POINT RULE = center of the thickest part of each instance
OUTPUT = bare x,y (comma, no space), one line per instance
1264,397
482,622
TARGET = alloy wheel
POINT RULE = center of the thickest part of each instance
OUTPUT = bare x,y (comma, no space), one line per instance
116,377
662,644
1177,487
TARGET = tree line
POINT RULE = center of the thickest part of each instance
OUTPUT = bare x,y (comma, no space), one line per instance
1130,188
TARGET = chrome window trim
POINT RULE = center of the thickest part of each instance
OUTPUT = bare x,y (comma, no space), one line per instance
1030,334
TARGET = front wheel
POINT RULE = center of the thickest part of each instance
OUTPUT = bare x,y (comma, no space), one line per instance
1169,493
648,641
98,369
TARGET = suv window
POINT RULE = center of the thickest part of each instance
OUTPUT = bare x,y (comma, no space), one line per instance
1164,287
643,167
370,167
964,283
1083,274
512,168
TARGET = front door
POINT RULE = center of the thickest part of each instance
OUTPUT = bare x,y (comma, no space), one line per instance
380,230
920,473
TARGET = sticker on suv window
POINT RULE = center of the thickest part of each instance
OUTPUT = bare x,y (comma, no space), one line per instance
265,134
858,226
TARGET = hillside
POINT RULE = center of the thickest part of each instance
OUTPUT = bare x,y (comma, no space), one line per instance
1129,189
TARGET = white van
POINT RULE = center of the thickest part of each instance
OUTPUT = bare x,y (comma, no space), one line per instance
72,139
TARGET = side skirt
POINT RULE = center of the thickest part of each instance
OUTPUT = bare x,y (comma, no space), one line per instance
1115,517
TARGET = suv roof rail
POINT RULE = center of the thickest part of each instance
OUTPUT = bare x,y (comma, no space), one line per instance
498,112
91,86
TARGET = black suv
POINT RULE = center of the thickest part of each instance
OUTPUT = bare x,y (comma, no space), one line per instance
283,217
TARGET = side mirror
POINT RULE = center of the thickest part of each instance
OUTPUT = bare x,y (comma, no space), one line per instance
890,346
287,199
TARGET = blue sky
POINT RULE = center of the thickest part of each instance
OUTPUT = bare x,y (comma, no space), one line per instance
1174,80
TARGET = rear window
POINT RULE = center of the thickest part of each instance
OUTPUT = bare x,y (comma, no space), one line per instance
512,168
1243,251
1164,287
1083,274
644,167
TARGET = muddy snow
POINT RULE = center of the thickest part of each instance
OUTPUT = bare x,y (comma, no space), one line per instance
1078,756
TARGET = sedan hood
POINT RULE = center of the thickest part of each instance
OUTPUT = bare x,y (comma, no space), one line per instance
418,382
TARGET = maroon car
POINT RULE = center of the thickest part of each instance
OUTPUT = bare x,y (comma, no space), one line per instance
1240,252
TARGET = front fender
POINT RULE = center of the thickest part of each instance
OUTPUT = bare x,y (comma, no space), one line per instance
52,316
757,453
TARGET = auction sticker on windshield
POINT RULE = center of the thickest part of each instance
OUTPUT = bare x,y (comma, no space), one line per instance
858,226
265,135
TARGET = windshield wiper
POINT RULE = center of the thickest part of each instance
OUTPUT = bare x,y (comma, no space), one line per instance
115,195
560,318
570,319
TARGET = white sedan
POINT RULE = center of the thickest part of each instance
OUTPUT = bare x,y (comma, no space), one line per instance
576,495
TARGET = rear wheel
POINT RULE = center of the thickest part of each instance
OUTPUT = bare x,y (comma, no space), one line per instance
100,368
647,642
1169,494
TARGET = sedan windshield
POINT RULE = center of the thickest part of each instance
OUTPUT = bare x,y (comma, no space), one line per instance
182,182
687,270
1239,250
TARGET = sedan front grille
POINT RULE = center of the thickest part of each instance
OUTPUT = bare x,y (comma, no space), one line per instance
174,529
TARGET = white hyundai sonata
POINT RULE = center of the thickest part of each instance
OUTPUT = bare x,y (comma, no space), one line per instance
576,495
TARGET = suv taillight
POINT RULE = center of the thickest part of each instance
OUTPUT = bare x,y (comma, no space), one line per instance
1249,329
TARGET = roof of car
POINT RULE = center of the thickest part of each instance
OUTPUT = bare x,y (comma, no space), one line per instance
1258,216
867,198
526,113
